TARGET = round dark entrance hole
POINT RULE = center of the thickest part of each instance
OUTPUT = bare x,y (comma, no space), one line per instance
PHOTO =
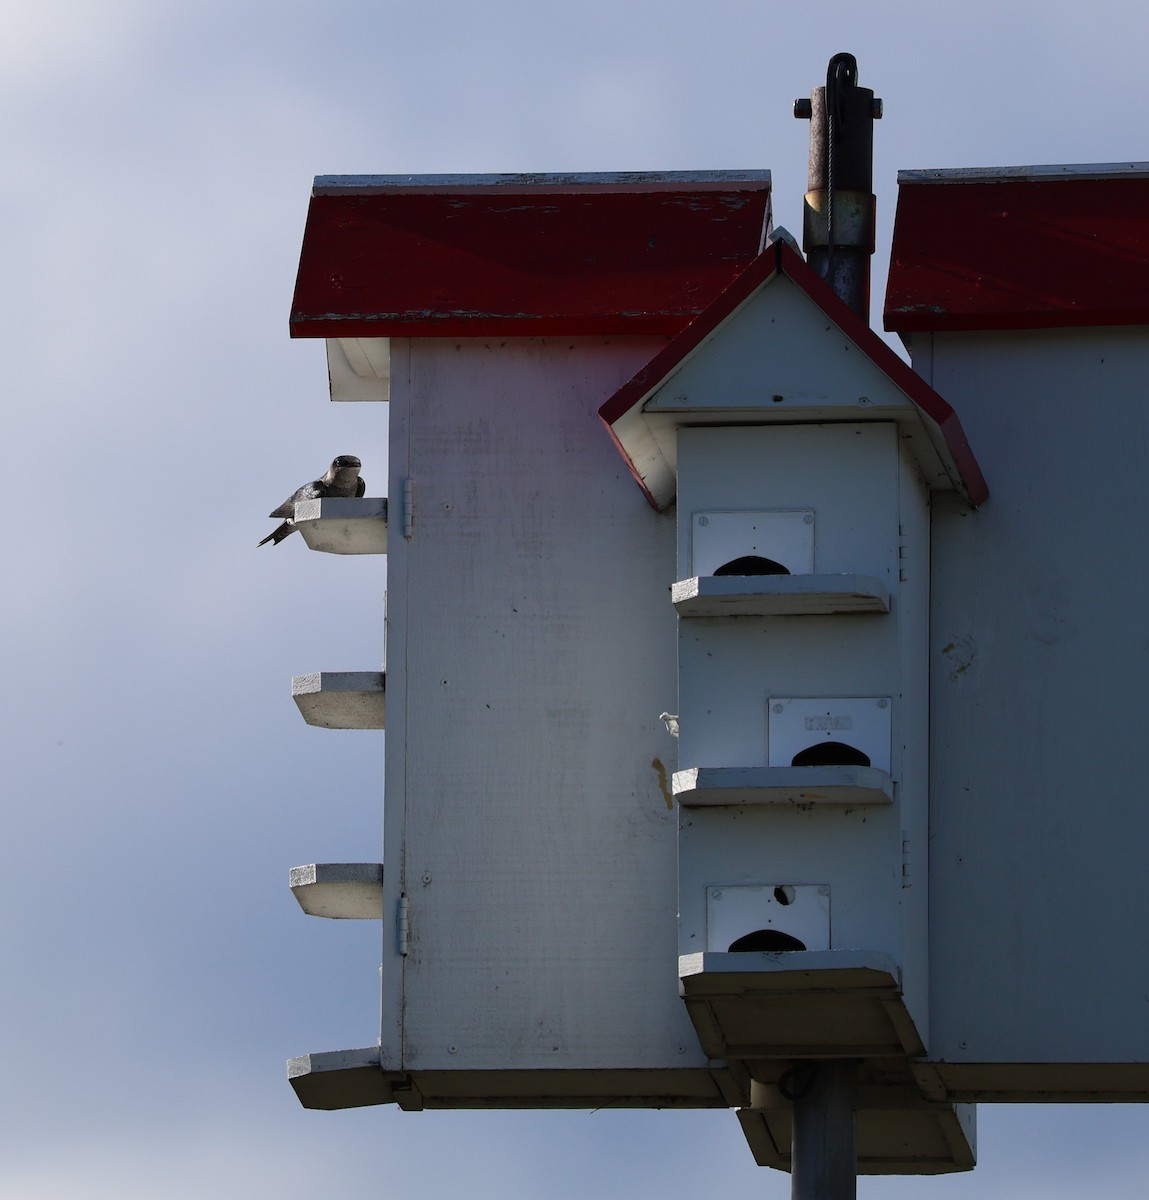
752,564
830,754
765,939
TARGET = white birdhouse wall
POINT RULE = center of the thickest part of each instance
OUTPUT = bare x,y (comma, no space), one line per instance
529,825
831,501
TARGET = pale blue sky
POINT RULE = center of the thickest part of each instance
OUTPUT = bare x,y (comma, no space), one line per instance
158,156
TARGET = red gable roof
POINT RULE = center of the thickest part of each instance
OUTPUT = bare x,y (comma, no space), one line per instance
941,422
485,255
1020,248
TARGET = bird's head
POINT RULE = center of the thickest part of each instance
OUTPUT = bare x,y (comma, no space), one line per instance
346,462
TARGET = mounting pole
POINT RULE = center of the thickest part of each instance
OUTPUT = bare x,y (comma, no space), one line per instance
838,219
838,238
823,1142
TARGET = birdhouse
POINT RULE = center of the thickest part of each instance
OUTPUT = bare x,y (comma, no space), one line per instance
785,755
528,894
802,454
1021,292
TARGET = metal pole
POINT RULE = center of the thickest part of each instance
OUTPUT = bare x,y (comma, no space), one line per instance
823,1143
838,221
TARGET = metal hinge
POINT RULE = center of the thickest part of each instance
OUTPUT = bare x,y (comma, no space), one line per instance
408,508
402,928
907,872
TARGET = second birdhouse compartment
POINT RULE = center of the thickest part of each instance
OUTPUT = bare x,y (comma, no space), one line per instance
828,731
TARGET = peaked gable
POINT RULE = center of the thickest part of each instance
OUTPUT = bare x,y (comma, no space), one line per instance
779,346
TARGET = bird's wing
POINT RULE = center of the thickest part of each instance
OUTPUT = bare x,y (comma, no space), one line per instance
315,490
360,487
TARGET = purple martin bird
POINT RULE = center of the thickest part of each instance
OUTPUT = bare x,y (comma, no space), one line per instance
342,480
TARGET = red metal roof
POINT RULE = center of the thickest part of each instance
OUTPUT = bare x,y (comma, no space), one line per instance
779,258
1020,248
442,256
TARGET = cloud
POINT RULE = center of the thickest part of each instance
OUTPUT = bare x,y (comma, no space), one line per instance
60,39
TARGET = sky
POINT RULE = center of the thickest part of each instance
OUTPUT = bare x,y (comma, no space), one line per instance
158,783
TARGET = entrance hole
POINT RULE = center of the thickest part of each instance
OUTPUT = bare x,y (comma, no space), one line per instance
830,754
752,564
765,939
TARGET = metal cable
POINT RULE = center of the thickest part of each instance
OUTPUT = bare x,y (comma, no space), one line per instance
841,73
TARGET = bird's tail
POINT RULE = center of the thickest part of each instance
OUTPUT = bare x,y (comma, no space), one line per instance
277,534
